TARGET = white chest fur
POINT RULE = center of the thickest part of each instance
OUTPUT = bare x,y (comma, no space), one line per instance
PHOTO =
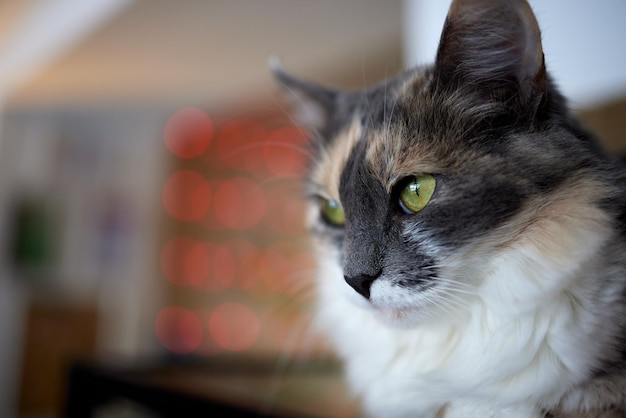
529,334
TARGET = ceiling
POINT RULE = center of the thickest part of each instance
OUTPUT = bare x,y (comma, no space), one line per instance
209,51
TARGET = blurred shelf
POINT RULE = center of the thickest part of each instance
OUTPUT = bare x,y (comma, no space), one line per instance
223,386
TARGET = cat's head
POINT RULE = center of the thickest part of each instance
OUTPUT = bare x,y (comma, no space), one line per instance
465,179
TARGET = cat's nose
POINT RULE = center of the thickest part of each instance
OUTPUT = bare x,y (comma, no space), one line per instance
361,283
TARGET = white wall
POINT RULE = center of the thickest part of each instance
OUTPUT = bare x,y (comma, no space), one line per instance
583,43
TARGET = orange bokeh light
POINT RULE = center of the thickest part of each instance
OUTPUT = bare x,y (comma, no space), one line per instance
284,152
286,210
243,251
272,268
239,203
188,132
234,326
224,266
250,269
239,144
186,195
221,266
285,268
300,271
185,261
178,329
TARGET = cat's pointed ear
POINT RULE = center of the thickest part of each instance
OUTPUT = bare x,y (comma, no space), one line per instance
493,44
311,105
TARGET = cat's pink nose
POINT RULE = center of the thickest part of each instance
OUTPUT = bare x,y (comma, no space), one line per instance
362,283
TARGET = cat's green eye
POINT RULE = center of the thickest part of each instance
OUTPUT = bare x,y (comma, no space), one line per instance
415,195
332,212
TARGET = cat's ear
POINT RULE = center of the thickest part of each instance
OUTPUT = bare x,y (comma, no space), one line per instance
492,44
311,105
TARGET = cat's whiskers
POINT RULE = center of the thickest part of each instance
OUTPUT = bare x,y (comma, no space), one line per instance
457,298
442,305
453,306
450,297
459,287
430,268
301,282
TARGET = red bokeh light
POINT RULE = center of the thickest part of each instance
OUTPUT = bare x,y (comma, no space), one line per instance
234,326
186,195
239,144
284,152
239,203
188,132
185,261
178,329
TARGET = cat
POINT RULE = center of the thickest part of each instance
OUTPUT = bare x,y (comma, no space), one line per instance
470,233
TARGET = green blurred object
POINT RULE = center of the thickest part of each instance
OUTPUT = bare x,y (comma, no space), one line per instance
32,236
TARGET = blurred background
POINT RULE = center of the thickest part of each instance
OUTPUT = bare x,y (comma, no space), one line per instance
151,225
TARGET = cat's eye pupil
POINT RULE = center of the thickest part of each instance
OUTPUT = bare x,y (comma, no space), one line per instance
332,212
416,193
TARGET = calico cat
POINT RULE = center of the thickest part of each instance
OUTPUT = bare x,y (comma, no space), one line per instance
471,235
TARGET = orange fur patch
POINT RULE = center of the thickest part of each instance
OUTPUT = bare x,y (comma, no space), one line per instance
328,170
557,226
